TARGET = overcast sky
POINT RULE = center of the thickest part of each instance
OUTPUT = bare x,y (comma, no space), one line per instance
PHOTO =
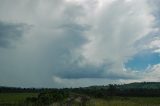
73,43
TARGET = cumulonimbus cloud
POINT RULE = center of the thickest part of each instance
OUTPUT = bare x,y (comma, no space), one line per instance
73,41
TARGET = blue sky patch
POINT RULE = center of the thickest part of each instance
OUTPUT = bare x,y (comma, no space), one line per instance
142,60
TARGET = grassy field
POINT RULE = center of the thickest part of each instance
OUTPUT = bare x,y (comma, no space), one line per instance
129,101
14,98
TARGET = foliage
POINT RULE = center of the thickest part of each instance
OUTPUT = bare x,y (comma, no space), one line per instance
134,94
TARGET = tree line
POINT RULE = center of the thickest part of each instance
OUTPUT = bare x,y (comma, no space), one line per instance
132,89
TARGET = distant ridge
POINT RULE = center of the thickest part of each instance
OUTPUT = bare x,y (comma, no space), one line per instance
136,85
141,85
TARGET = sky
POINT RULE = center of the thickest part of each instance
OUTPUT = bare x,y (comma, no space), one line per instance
77,43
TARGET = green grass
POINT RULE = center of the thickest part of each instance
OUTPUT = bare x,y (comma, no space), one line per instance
129,101
13,98
146,100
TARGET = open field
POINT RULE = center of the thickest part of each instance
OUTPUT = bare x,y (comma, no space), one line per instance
14,98
129,101
134,94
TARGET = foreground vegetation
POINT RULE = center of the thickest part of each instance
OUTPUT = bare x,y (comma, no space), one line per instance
29,99
15,98
129,101
135,94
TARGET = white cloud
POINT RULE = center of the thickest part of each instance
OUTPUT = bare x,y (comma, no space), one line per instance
57,79
115,29
152,74
155,45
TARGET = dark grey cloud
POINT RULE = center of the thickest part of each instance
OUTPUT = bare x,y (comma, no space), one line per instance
48,49
10,33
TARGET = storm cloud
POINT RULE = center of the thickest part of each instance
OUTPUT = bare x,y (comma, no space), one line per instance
10,33
64,43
